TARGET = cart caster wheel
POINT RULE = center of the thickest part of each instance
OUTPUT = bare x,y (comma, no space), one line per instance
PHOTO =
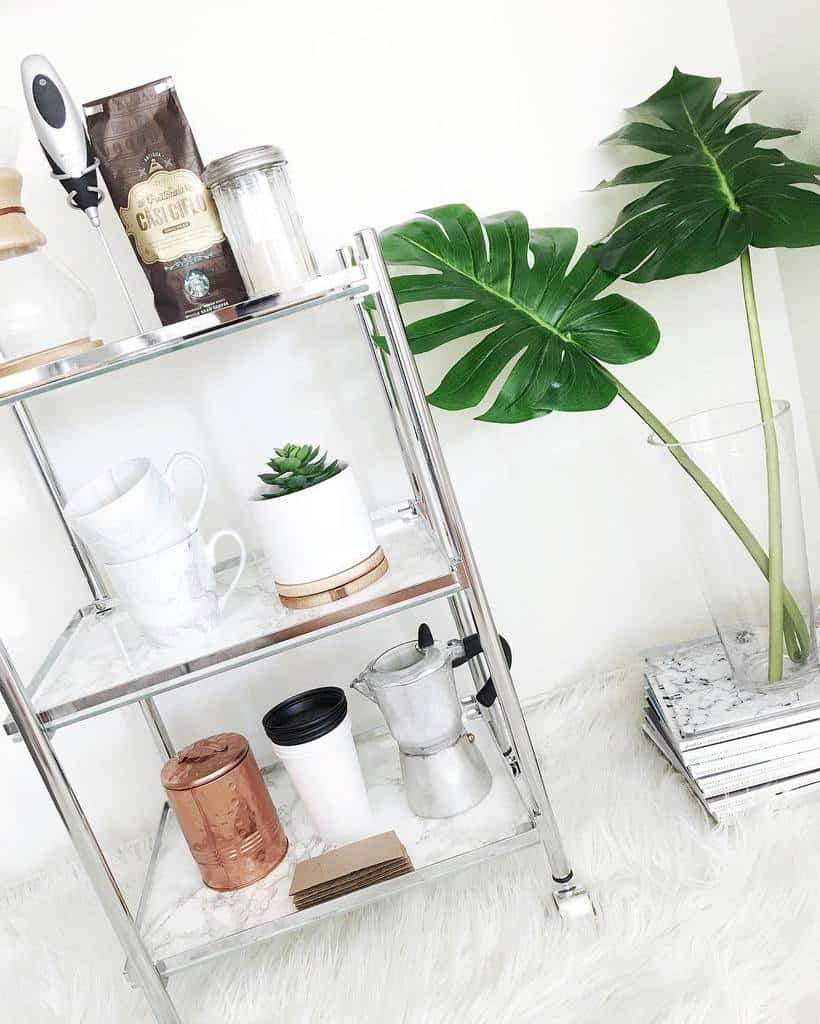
573,902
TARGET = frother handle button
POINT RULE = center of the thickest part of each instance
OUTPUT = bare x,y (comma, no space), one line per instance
49,101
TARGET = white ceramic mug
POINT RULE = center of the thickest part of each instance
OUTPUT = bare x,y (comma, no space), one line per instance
131,511
175,590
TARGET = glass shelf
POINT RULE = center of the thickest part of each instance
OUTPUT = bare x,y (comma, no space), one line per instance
102,661
184,923
116,355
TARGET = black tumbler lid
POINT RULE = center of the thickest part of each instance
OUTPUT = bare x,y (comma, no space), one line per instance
306,716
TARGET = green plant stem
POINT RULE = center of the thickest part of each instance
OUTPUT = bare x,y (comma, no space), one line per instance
772,474
796,633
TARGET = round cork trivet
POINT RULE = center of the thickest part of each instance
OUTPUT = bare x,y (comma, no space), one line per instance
315,600
339,579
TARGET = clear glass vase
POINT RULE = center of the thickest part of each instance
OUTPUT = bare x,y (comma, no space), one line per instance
729,445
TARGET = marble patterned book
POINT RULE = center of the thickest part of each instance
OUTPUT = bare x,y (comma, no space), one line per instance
779,770
748,752
727,753
744,770
725,808
701,706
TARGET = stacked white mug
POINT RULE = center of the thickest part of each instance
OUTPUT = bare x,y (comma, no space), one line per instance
156,558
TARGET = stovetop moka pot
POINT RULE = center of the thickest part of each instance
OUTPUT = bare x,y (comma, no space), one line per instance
414,686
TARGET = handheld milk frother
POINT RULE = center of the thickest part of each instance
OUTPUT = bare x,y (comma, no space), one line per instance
61,131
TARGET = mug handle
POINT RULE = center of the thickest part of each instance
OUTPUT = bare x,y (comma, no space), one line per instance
210,549
168,476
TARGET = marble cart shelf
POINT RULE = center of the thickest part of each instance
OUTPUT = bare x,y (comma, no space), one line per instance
183,923
102,662
115,355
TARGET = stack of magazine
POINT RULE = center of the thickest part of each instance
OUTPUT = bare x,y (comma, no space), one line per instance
736,749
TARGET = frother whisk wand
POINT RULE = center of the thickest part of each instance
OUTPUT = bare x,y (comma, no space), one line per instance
61,131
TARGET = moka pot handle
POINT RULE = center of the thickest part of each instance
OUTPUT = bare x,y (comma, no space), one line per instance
472,646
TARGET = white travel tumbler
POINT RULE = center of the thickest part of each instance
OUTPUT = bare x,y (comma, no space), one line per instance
312,736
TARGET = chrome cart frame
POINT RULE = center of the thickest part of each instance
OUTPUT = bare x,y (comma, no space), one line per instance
364,274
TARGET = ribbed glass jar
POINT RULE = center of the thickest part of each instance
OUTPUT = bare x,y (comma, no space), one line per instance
254,197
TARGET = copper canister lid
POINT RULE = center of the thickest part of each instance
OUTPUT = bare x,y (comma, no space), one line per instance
205,761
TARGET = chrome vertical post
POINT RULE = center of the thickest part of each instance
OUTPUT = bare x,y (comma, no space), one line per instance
477,665
405,404
46,470
460,610
157,728
92,574
91,856
400,427
439,477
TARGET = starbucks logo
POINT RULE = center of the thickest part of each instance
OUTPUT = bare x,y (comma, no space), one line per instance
197,284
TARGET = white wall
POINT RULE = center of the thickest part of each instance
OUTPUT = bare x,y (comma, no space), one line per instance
779,56
499,105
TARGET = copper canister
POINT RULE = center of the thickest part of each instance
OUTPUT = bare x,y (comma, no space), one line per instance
225,811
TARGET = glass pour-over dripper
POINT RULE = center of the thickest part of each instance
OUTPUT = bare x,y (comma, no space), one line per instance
43,307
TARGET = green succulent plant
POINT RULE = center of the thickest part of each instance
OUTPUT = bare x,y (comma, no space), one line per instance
297,467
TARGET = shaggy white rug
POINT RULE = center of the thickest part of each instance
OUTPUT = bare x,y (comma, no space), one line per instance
696,925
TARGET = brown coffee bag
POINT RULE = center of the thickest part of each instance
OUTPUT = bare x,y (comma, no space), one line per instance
152,168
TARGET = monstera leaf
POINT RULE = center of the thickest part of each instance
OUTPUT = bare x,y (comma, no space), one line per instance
546,332
716,190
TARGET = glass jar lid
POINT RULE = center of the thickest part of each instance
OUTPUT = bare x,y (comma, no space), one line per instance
254,159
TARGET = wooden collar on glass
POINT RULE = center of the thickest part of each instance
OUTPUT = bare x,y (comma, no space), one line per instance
17,234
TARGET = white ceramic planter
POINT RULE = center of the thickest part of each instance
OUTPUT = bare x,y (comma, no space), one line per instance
316,533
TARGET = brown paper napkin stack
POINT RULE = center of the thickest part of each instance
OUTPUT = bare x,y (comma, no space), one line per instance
349,868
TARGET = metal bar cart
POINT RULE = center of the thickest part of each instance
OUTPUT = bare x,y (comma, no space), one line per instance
430,557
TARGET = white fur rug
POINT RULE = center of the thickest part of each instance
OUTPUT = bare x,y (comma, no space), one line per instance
696,925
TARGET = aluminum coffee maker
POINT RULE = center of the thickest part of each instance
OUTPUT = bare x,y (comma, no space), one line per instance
414,686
